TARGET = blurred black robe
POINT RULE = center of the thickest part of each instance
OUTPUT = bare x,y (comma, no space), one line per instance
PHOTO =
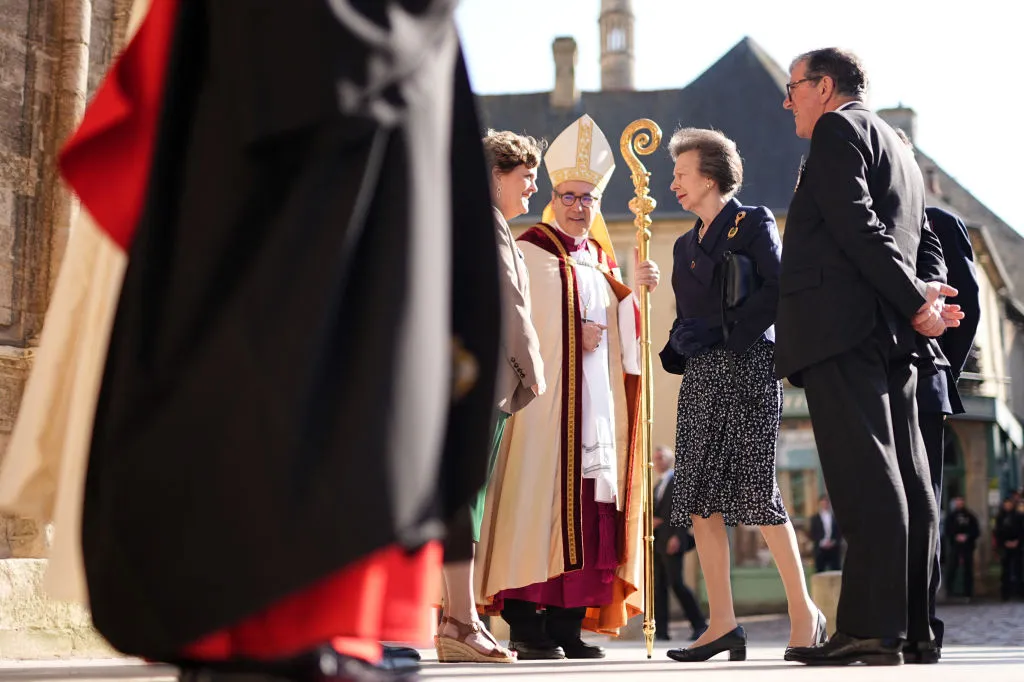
278,397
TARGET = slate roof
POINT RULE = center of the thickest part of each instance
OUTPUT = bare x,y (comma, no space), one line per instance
741,94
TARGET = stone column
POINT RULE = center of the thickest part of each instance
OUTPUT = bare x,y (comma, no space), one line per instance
119,30
44,49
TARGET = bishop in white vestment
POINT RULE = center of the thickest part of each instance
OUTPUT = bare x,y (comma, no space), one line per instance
560,546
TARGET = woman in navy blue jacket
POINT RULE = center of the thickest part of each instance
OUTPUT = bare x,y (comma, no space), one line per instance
730,403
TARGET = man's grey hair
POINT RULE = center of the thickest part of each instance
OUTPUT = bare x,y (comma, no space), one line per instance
842,66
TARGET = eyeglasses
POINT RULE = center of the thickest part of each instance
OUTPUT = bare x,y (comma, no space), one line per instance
790,86
586,200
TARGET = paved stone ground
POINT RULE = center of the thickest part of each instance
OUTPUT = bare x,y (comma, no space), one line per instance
626,662
983,641
979,624
975,624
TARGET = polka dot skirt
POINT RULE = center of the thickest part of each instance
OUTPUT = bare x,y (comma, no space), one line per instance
730,407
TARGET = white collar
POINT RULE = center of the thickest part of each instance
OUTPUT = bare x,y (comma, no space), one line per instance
577,241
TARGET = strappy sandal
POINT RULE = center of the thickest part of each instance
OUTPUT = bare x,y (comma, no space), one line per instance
459,650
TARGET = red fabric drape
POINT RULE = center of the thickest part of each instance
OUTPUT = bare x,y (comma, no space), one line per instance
384,596
107,160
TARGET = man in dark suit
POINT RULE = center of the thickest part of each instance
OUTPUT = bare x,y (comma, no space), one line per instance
937,395
850,304
827,538
962,532
670,547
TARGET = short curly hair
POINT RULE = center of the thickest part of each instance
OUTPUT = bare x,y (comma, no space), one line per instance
506,150
719,158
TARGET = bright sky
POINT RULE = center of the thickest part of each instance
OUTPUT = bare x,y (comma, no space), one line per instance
958,64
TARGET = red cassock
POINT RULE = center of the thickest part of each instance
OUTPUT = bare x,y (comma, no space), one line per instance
383,595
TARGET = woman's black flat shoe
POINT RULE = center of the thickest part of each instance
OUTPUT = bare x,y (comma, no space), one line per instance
734,641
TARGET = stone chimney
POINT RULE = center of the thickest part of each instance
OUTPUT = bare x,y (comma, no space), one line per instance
565,95
616,24
901,117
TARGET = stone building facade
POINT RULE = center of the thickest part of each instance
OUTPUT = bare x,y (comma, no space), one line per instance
53,54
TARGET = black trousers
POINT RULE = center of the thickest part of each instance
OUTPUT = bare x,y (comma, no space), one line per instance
864,414
1012,576
827,559
668,574
961,557
539,626
931,424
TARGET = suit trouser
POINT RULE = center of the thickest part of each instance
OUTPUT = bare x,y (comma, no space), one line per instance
551,625
1012,581
668,573
932,432
827,559
864,414
961,556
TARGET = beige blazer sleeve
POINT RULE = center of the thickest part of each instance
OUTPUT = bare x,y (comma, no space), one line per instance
521,346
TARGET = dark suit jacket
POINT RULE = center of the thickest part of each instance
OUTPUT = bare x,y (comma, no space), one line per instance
851,242
697,277
962,522
937,392
663,511
818,531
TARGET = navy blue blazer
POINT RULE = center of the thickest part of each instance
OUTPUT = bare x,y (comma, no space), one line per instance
697,277
937,393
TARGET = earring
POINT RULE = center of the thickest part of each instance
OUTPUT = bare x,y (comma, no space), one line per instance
707,186
499,191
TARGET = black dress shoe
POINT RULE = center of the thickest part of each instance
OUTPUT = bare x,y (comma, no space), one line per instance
921,652
580,649
843,649
401,652
400,659
734,641
661,636
537,651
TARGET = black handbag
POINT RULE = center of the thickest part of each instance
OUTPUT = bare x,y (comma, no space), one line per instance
739,282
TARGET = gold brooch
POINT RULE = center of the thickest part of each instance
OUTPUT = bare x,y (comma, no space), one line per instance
736,228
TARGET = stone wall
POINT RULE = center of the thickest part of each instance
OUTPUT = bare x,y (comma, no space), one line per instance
46,70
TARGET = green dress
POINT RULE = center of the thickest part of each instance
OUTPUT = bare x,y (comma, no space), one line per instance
476,507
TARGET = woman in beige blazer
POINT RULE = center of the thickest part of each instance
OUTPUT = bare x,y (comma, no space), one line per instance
513,161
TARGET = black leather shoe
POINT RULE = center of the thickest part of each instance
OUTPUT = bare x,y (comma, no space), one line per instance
843,649
400,659
538,651
401,652
921,653
734,641
580,649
